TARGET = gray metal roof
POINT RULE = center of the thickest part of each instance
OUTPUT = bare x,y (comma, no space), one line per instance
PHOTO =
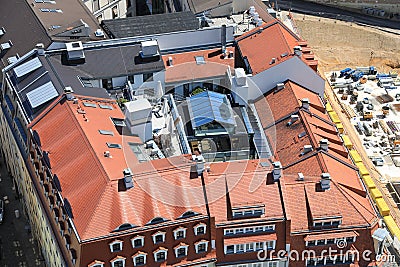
150,24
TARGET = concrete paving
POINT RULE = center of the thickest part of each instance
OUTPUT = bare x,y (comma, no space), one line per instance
17,245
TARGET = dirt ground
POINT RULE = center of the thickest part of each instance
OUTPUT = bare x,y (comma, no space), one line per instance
338,45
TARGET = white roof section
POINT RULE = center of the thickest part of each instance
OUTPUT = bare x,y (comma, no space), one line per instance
42,94
138,105
27,67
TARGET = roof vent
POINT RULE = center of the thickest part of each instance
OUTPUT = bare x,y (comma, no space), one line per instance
107,154
324,144
273,60
293,119
307,149
279,86
149,49
305,103
325,181
40,49
6,46
300,176
69,93
99,33
2,31
277,171
75,51
230,55
170,61
128,178
297,50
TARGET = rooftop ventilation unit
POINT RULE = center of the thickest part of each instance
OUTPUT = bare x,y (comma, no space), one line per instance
69,93
128,178
99,33
75,51
297,50
277,171
305,103
40,49
325,181
149,49
293,119
324,144
307,149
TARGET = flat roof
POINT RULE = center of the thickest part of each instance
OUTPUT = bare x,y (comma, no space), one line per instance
150,24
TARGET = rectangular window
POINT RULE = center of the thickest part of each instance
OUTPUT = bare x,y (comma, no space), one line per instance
105,106
230,249
250,247
113,145
116,247
159,238
180,234
138,243
181,252
105,132
239,248
201,248
147,77
87,104
160,256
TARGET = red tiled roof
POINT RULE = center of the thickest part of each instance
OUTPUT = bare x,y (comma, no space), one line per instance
317,203
250,239
184,67
271,40
331,235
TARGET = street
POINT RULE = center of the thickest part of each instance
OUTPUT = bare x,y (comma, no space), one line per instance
17,245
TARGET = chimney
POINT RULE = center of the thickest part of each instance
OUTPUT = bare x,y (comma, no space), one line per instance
293,119
306,149
300,176
277,171
128,178
279,86
223,38
170,61
69,93
40,49
297,50
325,181
305,103
273,60
324,144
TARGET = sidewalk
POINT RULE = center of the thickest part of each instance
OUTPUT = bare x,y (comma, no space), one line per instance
17,246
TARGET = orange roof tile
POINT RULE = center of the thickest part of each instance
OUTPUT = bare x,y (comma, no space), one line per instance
184,67
262,44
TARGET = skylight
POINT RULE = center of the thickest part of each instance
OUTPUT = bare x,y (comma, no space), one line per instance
105,106
200,60
87,104
118,122
105,132
113,145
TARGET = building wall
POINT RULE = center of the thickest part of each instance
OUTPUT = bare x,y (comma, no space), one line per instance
10,144
100,249
107,9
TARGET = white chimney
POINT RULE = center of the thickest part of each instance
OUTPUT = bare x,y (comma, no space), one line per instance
277,171
169,61
69,93
325,181
306,149
40,49
305,103
293,119
300,176
324,144
279,86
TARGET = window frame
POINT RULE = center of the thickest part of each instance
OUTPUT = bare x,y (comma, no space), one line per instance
116,260
154,236
180,229
180,247
160,251
196,232
137,255
137,238
116,242
198,244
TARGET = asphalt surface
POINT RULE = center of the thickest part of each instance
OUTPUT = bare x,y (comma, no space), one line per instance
18,248
315,9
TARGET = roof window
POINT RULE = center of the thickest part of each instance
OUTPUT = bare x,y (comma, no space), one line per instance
106,132
200,60
87,104
118,122
113,145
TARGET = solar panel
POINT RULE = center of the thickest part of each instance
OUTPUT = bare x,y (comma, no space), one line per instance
27,67
42,94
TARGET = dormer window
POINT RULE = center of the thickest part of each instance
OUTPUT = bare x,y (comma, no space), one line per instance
200,229
118,262
159,237
116,246
180,233
201,246
137,241
255,211
181,250
160,254
139,258
96,263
